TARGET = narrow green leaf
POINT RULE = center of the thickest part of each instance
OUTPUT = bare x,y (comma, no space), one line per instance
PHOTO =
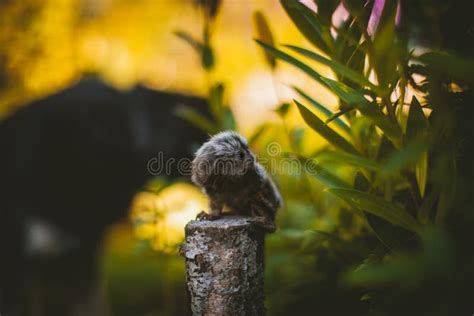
386,48
326,9
229,120
323,175
216,100
306,22
283,109
297,135
335,117
361,183
290,59
207,57
428,205
421,172
323,109
350,159
417,128
186,37
325,131
375,205
404,157
416,122
391,236
371,111
449,65
257,134
195,118
264,34
335,66
344,92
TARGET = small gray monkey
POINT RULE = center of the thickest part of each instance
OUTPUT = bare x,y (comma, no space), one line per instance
227,171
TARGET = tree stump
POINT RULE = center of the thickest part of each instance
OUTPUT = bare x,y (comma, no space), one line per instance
224,264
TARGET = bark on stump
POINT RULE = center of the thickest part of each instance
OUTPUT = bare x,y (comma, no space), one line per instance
224,264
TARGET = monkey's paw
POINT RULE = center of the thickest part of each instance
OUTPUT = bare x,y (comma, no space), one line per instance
203,216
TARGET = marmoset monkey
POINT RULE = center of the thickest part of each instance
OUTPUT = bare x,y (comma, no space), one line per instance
227,171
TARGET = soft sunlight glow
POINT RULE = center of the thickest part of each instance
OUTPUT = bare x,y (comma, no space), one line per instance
161,217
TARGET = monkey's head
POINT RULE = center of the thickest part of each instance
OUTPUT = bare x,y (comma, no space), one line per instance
223,160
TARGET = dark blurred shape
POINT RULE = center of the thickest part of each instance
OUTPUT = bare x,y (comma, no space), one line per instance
457,27
70,165
440,24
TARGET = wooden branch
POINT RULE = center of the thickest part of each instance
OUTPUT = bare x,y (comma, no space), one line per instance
224,263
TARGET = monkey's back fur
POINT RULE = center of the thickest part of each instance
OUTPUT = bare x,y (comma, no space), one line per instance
227,171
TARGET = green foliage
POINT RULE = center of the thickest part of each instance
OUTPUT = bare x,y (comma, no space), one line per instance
402,154
265,35
375,223
329,115
317,125
220,116
394,214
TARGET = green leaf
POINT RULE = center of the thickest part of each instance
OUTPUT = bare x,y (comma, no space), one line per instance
391,236
326,8
323,175
229,120
323,109
194,117
325,131
207,57
335,117
375,205
216,100
360,182
404,157
210,7
283,109
386,48
257,134
446,64
297,135
335,66
417,123
344,92
421,172
264,34
350,159
428,205
371,111
307,23
186,37
291,60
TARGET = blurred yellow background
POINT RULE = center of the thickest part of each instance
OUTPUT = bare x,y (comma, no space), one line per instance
49,45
